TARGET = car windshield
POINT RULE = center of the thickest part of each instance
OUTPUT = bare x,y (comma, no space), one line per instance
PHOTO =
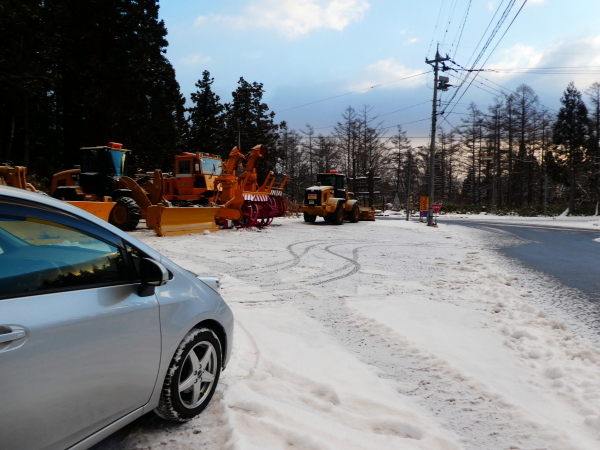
211,166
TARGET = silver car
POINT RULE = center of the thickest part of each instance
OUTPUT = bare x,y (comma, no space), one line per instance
96,328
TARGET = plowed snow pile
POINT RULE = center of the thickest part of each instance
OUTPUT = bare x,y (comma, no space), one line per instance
382,335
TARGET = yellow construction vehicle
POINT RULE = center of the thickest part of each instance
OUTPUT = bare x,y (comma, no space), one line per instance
330,199
97,186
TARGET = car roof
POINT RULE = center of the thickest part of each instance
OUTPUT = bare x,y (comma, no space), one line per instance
23,194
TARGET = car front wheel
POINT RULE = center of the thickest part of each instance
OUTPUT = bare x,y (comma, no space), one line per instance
192,376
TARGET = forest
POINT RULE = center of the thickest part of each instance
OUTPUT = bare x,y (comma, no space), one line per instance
76,74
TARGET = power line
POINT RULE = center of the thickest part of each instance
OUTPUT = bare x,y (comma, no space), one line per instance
496,46
352,92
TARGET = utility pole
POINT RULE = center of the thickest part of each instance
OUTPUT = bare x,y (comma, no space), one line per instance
408,183
443,85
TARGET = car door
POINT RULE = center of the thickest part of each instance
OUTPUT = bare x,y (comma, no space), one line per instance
79,347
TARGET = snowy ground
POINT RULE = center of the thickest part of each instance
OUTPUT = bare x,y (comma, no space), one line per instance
385,335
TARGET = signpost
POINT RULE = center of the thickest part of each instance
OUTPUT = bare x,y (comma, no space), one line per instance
423,207
435,207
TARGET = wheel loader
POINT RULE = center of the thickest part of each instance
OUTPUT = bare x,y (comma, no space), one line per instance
330,199
99,187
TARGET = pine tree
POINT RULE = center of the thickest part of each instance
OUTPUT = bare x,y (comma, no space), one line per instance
250,117
571,135
206,120
86,73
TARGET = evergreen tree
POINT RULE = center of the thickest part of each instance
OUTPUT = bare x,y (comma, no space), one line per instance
86,73
206,120
25,120
594,147
570,134
250,117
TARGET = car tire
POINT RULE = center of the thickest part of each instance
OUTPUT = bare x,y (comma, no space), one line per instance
125,214
192,376
354,214
309,217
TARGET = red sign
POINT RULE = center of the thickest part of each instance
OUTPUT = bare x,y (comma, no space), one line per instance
436,207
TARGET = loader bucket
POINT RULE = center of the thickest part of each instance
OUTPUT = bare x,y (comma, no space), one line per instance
177,221
367,213
99,209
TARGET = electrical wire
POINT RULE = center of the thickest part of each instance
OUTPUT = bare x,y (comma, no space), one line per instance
353,92
496,46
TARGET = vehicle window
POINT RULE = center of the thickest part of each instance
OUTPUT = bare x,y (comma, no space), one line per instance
326,180
185,167
211,166
39,255
135,256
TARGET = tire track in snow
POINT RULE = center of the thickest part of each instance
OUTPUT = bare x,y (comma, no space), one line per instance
482,420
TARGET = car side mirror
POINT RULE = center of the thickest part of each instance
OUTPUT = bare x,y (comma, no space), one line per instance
152,274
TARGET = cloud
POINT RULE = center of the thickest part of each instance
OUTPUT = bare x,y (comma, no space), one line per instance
201,20
410,41
195,60
517,57
571,59
387,72
294,18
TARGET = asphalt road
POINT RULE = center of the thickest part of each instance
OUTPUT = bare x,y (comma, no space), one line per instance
570,256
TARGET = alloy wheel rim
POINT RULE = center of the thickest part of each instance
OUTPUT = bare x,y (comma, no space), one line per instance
198,374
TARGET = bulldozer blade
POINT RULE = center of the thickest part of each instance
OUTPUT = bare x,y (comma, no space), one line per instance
367,213
177,221
99,209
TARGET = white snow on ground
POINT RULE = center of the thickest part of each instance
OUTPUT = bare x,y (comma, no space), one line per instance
385,334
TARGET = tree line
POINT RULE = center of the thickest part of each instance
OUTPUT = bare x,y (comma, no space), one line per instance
512,155
76,74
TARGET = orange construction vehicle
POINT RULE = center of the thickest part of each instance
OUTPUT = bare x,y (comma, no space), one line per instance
259,206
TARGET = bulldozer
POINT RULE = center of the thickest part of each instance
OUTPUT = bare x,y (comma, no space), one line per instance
15,176
330,199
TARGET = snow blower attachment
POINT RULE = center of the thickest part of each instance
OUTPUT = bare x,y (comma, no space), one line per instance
260,206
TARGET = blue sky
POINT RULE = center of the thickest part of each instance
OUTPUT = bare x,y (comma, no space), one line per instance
305,51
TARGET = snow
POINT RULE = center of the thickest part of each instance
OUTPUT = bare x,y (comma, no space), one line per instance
386,334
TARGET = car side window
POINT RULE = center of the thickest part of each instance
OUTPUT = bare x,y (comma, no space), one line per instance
136,256
40,255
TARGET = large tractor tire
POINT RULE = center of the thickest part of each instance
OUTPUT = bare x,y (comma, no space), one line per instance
354,214
337,217
309,217
125,214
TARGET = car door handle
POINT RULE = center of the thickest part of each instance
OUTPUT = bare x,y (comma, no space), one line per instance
12,336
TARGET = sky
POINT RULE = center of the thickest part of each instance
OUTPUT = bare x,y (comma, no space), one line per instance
317,57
